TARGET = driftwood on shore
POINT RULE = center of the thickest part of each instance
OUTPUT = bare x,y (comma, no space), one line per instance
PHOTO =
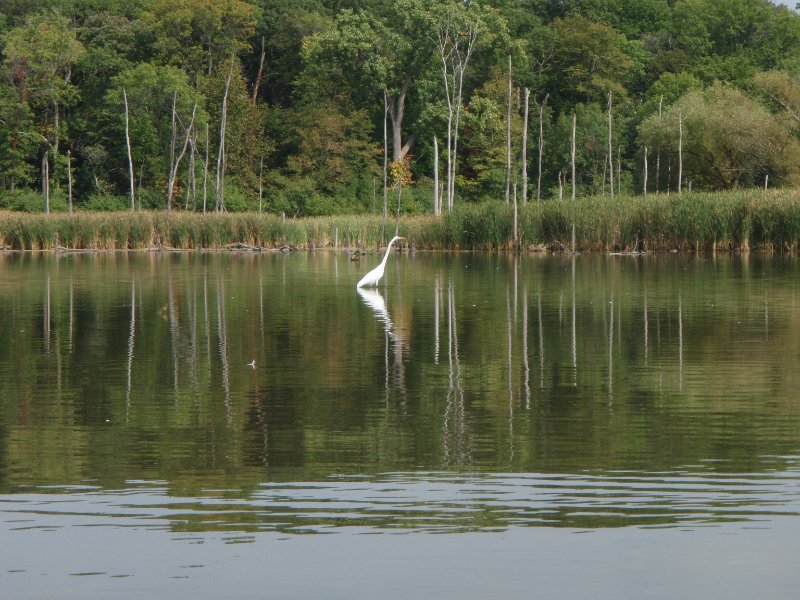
243,246
66,250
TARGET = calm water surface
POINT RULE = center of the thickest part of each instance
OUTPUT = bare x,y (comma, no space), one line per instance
214,425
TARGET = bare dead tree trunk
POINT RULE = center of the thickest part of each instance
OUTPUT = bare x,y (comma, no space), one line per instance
436,200
205,173
462,65
139,193
192,169
515,243
220,183
69,179
396,105
46,179
385,164
56,140
176,163
260,184
445,59
669,174
541,149
574,127
658,150
257,82
508,135
455,50
173,137
525,150
680,152
610,150
397,212
644,185
128,145
572,152
56,126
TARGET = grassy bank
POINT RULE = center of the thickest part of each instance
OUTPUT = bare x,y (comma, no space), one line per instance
697,221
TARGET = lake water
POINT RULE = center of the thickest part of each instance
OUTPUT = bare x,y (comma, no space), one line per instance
249,425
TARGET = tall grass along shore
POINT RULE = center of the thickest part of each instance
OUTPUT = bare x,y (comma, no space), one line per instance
696,221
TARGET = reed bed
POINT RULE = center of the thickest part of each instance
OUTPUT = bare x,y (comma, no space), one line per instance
696,221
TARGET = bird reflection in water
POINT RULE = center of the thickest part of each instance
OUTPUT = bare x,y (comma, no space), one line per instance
376,302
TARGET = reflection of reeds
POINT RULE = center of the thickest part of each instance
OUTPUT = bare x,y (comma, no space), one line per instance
457,438
131,341
697,221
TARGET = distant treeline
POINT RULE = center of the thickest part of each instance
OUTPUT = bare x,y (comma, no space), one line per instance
689,222
315,107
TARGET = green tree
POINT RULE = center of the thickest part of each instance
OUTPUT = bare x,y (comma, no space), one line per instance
150,90
591,148
334,147
19,139
592,58
39,56
363,57
484,164
197,35
728,139
667,90
730,39
284,29
248,139
632,18
783,89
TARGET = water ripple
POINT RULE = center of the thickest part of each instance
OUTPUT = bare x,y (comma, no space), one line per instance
423,502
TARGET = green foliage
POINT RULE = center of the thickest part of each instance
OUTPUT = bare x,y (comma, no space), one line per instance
40,54
19,140
285,31
782,90
199,34
333,148
667,89
305,120
25,200
485,128
107,203
148,198
592,57
591,140
728,139
150,90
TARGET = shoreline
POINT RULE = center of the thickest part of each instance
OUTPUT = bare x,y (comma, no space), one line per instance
741,221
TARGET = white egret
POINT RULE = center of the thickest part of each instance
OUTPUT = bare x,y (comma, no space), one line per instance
374,276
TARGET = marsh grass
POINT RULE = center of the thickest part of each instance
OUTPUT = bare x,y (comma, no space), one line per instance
697,222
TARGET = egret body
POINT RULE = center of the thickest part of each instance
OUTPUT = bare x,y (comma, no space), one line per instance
374,276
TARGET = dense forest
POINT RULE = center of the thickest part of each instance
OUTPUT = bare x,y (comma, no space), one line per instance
308,107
